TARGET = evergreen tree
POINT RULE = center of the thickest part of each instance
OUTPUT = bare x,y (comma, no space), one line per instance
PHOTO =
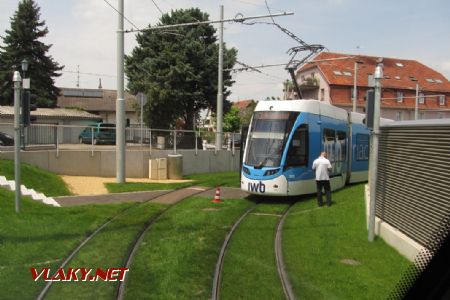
177,69
22,42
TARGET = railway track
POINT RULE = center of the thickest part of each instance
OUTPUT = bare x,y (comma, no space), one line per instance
287,288
129,260
279,258
137,241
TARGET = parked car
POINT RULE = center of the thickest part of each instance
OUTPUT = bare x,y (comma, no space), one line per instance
6,139
99,133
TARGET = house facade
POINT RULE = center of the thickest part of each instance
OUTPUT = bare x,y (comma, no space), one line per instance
331,78
49,124
99,102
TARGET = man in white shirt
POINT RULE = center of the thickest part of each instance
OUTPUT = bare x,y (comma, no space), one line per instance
322,166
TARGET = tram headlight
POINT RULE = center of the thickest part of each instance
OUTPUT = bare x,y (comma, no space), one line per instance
271,172
246,170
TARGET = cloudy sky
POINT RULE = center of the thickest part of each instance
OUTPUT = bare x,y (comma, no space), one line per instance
83,34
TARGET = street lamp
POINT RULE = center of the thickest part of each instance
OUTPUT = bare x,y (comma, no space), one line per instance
355,86
24,66
17,80
25,86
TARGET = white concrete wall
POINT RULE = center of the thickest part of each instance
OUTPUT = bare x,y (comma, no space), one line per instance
103,163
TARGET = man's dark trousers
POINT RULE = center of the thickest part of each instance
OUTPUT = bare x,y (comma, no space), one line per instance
323,184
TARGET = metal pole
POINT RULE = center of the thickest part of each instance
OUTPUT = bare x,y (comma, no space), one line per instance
120,103
220,86
17,79
142,117
416,108
355,91
373,164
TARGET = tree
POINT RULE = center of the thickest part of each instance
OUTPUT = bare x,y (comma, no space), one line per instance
177,69
232,120
22,42
247,113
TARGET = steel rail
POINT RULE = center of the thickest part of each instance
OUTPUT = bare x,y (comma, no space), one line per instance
48,285
81,245
219,264
138,240
287,288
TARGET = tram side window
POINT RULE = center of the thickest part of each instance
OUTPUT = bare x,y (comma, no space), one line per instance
362,147
298,150
329,140
341,146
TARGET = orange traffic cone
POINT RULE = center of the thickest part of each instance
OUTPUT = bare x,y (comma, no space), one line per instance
217,196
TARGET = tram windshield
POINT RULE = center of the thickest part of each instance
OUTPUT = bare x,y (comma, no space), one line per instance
267,138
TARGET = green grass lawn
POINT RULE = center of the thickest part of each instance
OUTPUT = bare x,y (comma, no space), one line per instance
41,236
250,270
178,255
316,241
224,179
40,180
108,249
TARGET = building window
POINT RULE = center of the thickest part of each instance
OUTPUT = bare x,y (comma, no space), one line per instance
442,100
398,116
351,93
399,97
322,94
337,73
421,98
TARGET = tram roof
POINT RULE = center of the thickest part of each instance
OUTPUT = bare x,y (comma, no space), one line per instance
310,106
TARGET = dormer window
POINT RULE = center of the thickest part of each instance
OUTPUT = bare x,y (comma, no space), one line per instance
438,81
400,65
347,73
397,77
430,80
337,73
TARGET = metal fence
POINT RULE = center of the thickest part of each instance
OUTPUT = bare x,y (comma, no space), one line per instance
89,137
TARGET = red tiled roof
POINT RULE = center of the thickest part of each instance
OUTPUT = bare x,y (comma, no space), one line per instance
397,72
242,104
107,101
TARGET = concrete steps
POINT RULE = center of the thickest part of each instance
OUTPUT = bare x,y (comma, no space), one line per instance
11,185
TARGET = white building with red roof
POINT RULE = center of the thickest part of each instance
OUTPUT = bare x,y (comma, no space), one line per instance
330,77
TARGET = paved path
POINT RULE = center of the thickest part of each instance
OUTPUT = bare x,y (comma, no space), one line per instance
165,196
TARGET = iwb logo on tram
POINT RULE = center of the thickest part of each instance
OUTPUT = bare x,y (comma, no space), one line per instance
256,187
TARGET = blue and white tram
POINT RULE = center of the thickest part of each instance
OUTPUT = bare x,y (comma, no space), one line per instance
285,137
